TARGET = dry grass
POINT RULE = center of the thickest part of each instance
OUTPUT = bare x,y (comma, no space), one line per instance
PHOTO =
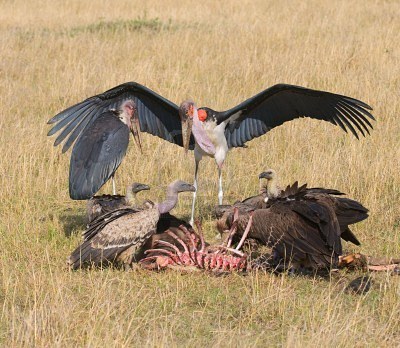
54,54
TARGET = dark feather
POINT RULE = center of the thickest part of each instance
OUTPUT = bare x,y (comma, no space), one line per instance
302,224
96,155
157,115
100,222
281,103
109,236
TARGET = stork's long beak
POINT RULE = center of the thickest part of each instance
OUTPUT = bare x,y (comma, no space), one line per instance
186,112
135,130
187,124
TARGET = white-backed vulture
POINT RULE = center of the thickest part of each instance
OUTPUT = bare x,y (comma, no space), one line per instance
99,205
116,236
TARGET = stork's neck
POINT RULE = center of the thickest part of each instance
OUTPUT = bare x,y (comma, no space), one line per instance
272,188
202,139
170,201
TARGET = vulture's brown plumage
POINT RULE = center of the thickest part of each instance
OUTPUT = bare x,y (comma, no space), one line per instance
303,226
100,205
117,236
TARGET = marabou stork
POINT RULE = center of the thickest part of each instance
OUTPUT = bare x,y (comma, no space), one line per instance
118,235
100,126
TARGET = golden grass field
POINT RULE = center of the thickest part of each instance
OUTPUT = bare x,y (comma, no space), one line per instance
56,53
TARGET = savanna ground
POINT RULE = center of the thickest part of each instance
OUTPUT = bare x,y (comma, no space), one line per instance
55,53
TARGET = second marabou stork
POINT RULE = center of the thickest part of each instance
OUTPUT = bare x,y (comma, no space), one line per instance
100,126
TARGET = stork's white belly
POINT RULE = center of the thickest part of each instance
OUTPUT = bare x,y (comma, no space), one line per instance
216,134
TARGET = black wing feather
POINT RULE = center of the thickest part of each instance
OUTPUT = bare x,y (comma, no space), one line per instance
281,103
96,155
157,115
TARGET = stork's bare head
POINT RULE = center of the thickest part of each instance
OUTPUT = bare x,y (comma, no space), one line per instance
137,187
269,174
130,117
186,112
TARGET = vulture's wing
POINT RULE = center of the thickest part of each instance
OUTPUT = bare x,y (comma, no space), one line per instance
348,212
97,225
96,155
281,103
302,234
324,218
157,115
115,237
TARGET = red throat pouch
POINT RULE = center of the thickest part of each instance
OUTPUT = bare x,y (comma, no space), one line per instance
202,115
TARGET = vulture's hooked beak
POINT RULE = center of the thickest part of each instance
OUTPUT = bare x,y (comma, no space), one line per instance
187,123
191,188
263,175
143,187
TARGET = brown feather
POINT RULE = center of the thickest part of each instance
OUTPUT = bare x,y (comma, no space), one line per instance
107,244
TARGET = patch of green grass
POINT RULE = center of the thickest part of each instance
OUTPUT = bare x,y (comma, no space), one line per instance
121,25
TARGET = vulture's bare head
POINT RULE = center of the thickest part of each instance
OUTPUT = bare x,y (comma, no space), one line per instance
137,187
128,115
186,112
181,186
269,174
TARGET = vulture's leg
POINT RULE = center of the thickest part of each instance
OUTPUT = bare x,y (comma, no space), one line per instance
194,193
113,185
220,191
246,231
128,262
233,229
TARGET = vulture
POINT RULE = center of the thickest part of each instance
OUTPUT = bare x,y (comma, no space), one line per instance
117,236
99,205
302,226
268,190
100,126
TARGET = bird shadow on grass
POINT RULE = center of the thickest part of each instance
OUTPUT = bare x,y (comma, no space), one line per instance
208,212
73,221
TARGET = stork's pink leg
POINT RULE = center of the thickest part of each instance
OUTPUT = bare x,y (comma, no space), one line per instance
246,231
233,229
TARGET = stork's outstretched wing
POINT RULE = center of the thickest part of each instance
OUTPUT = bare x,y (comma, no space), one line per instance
281,103
157,115
96,155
